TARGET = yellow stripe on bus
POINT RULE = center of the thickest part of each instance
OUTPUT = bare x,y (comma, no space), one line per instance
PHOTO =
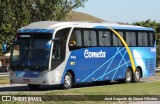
127,48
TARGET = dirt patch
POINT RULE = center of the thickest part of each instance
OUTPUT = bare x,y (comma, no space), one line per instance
152,78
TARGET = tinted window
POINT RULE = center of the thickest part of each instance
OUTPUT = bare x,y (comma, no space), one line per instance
142,39
105,38
151,39
76,38
99,37
131,38
82,38
59,48
90,38
62,35
116,40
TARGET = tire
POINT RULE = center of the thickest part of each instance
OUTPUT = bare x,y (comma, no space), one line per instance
68,81
128,77
33,87
137,75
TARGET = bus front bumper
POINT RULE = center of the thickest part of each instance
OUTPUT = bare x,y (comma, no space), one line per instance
46,79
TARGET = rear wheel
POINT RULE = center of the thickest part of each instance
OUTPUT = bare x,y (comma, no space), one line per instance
68,81
137,75
33,87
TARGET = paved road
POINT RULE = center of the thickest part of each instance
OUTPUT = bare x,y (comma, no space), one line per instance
2,74
15,88
19,88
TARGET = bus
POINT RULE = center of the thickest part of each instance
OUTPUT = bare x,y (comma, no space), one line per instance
66,53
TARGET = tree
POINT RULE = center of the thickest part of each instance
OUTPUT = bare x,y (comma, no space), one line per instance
18,13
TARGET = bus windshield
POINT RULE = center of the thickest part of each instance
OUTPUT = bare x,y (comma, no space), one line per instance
30,53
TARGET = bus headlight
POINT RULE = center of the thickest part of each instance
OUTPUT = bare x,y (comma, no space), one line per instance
42,73
12,73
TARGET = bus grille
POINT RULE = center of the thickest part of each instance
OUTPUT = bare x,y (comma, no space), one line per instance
150,65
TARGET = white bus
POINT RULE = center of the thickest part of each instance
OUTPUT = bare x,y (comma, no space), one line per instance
50,53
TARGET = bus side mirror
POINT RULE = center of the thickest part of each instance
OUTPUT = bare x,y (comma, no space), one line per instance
55,39
4,47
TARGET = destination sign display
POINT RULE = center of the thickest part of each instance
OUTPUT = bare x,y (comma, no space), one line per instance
34,36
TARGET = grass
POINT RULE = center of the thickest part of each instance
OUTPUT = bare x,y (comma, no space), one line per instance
116,89
4,80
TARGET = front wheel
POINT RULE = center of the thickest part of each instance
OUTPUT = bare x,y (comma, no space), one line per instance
67,81
136,76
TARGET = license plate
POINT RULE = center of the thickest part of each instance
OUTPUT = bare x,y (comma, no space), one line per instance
26,80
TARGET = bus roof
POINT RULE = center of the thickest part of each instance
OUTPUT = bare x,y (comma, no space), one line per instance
52,25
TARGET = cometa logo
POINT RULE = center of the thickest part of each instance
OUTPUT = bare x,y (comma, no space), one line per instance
100,54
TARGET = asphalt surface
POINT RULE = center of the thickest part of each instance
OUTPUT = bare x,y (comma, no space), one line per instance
22,88
16,88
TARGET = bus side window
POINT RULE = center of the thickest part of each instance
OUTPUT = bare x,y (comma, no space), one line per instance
116,39
90,38
151,38
105,38
56,50
131,38
75,40
142,39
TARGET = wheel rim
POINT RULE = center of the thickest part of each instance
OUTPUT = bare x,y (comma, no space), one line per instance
128,76
137,75
67,81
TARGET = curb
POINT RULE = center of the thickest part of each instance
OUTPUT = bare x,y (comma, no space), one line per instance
4,74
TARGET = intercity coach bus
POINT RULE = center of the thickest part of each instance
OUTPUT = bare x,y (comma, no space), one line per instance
64,53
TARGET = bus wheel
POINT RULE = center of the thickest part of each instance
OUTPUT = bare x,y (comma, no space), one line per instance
67,81
33,87
136,75
128,77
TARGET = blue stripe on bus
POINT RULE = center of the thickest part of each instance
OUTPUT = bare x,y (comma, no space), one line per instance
35,31
113,66
125,28
108,64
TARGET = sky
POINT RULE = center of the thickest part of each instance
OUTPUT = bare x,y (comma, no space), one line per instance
127,11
